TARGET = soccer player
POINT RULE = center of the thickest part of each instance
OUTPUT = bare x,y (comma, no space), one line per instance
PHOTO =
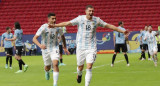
152,43
61,50
8,46
18,33
120,42
49,46
86,40
138,40
144,44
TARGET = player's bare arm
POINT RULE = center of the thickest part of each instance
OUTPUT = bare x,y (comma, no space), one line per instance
1,44
63,24
116,29
13,39
35,40
64,45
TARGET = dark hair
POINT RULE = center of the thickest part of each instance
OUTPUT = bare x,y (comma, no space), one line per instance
119,23
17,25
150,25
7,28
51,14
89,6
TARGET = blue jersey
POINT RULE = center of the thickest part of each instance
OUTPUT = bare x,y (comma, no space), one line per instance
18,33
7,44
86,35
143,33
33,46
138,38
119,37
72,45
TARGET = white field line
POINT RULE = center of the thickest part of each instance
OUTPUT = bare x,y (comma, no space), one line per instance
103,65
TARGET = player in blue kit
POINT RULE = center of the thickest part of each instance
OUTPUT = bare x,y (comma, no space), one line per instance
8,46
120,43
18,33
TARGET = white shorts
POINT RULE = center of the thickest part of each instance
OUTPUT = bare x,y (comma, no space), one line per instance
88,55
152,49
48,57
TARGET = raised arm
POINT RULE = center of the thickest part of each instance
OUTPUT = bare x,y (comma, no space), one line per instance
114,28
63,24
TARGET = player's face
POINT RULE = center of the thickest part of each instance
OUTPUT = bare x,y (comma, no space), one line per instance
90,12
9,30
149,28
146,28
52,19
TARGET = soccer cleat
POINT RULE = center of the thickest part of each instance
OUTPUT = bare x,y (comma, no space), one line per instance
128,64
79,78
55,85
112,65
25,68
47,75
19,71
62,64
6,66
149,59
155,64
10,67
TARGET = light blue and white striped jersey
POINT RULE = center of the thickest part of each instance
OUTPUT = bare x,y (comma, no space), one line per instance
7,44
18,33
120,38
49,37
86,35
142,35
150,38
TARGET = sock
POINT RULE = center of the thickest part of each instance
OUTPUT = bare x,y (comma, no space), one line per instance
7,58
61,60
88,77
20,65
22,62
143,55
55,77
79,72
10,61
155,57
148,55
113,58
126,57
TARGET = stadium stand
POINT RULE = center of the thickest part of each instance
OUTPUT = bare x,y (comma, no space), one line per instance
32,13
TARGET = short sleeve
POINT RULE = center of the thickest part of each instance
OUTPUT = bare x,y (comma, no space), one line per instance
15,33
3,37
40,30
101,23
75,21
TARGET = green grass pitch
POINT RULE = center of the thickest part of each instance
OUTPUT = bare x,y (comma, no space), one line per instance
140,73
